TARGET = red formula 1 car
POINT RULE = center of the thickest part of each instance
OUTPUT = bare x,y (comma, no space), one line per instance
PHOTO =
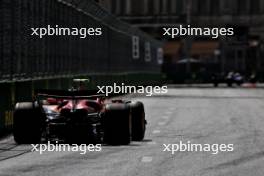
78,117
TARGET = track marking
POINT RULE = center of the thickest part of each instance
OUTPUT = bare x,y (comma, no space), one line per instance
156,131
165,117
161,123
146,159
168,112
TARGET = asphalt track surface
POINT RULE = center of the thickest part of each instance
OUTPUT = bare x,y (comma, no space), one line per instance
199,115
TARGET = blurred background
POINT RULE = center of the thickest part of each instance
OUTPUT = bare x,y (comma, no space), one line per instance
243,53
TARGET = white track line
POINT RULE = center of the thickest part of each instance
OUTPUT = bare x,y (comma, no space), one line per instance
156,131
165,117
161,123
168,112
146,159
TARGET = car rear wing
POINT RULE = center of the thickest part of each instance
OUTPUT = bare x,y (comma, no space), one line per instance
69,97
61,94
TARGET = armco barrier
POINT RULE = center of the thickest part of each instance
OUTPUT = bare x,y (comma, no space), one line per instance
28,63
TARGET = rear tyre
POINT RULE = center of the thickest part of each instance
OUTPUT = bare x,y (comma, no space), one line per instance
138,121
27,123
117,124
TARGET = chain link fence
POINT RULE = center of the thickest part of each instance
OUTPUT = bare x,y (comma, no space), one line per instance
121,53
23,56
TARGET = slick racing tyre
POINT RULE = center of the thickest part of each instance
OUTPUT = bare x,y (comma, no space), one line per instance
27,123
138,121
117,124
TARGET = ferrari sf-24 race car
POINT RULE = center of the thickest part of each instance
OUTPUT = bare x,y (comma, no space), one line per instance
78,117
